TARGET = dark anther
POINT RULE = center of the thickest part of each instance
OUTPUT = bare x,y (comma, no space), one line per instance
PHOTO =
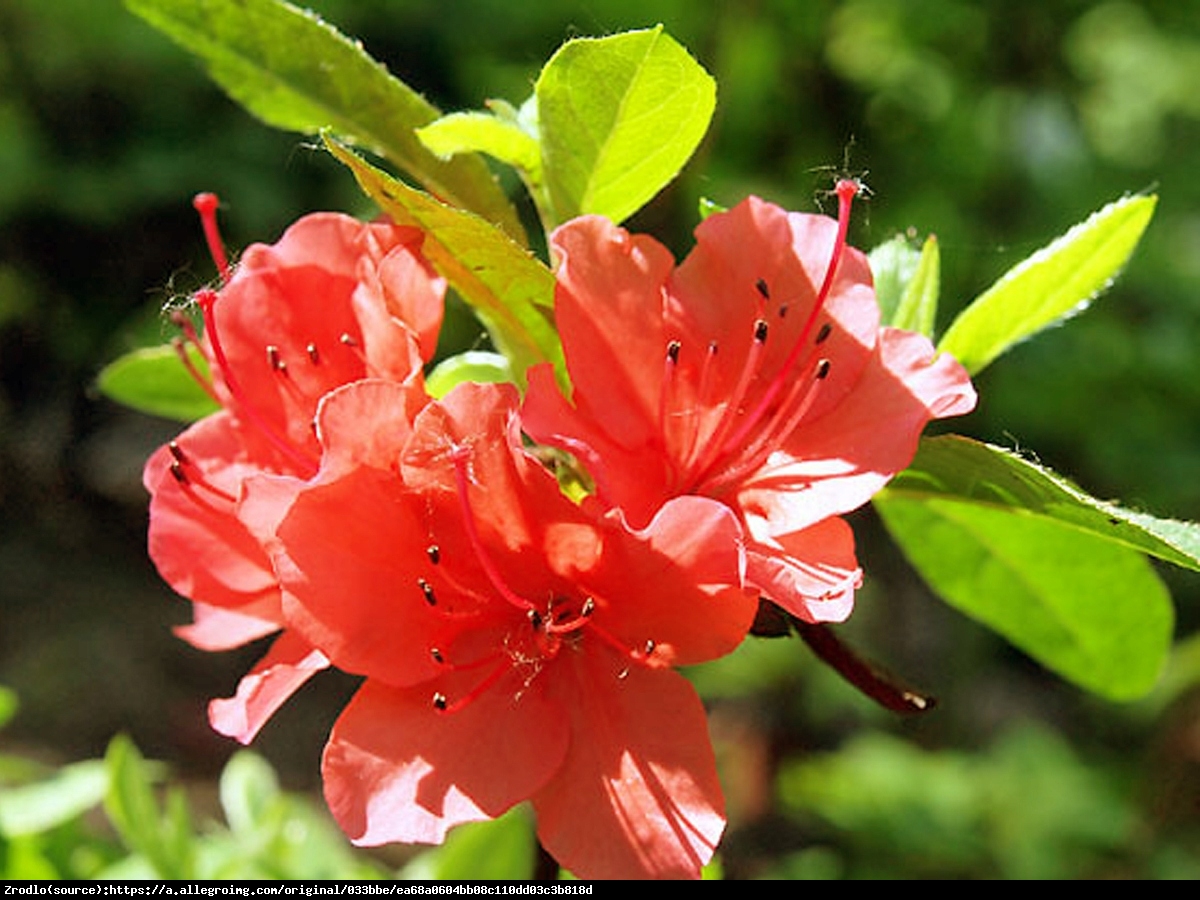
589,607
437,655
435,553
273,358
649,648
535,618
712,348
824,333
177,471
822,369
427,590
673,351
177,452
313,356
439,702
783,308
760,331
761,286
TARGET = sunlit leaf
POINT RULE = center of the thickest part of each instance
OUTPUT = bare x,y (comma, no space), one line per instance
134,811
1053,283
8,705
497,849
248,786
618,117
1062,576
294,71
907,283
510,290
153,380
42,805
957,468
474,365
470,132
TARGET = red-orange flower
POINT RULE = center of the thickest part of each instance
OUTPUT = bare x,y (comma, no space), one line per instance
514,646
755,373
333,301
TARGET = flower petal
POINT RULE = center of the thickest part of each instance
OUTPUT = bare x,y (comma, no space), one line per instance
397,769
812,573
214,628
836,463
289,663
677,583
200,548
637,795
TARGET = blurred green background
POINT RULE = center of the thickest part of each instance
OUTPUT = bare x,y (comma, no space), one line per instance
995,125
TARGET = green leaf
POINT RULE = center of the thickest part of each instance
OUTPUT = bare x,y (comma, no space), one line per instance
470,132
958,468
917,310
618,117
132,808
153,380
500,849
893,265
510,290
248,787
38,807
907,283
295,72
1062,576
8,705
473,365
1053,283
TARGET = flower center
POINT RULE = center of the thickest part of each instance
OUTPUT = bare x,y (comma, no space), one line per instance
764,406
538,632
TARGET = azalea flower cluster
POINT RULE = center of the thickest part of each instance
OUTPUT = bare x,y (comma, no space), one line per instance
518,643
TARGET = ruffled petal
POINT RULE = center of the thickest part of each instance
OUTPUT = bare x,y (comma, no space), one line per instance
195,539
214,628
812,573
836,463
397,769
684,574
638,795
289,663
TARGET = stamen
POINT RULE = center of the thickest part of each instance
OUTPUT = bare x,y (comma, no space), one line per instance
206,204
273,359
442,705
823,334
186,359
427,590
190,483
348,340
434,552
761,286
313,356
489,568
667,386
437,655
847,189
207,300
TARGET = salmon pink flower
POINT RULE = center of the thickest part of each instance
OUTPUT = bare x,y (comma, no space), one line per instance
755,373
333,301
515,647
